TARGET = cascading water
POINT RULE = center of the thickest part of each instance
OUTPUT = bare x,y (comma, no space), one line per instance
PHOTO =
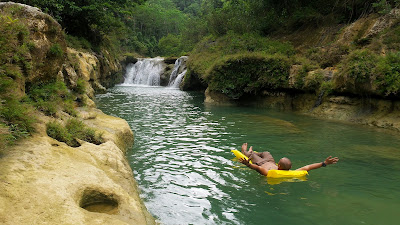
149,72
177,74
144,72
178,80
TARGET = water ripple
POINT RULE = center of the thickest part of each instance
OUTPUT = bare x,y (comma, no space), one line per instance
183,166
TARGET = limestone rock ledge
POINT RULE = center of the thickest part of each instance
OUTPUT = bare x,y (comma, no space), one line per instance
43,181
378,113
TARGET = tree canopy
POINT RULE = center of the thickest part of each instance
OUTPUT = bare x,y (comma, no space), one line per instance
140,25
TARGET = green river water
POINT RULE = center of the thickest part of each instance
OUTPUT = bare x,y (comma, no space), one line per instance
182,162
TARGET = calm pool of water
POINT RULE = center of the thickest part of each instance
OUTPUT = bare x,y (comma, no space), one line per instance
182,162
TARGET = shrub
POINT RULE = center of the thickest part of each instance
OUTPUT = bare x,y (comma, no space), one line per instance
212,49
49,97
56,51
248,73
391,39
60,133
5,135
16,120
313,80
300,77
388,74
73,130
80,87
356,73
78,43
170,45
329,56
326,87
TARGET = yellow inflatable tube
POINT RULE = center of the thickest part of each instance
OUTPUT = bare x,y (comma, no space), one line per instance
286,173
240,155
276,173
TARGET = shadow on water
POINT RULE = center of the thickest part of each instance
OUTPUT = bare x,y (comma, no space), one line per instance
184,168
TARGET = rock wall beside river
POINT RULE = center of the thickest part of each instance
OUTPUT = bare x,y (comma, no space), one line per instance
374,112
347,72
45,181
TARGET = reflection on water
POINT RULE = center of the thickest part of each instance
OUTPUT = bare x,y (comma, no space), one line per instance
184,168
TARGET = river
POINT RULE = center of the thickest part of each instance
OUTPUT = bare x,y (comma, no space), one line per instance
187,175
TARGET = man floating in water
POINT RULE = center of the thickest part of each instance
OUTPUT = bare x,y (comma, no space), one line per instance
262,162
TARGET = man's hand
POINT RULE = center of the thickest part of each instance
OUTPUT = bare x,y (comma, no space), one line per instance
331,160
245,162
313,166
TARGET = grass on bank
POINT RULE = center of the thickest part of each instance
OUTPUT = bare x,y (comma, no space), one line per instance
52,97
15,114
237,64
364,72
73,130
17,101
210,49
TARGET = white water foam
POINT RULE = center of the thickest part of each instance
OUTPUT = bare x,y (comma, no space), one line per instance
144,72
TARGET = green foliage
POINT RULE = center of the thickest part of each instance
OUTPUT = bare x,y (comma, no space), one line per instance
79,43
13,41
359,66
364,72
211,49
313,80
80,86
90,19
300,78
15,115
329,56
391,38
5,136
383,6
60,133
56,51
154,20
327,87
50,97
388,74
79,130
170,45
236,75
73,130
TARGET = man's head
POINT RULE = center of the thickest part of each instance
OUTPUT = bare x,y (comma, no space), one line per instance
284,164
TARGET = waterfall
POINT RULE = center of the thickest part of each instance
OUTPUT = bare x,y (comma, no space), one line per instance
178,80
145,72
155,72
178,72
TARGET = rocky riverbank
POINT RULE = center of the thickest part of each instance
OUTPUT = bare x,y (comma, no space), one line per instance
44,180
346,72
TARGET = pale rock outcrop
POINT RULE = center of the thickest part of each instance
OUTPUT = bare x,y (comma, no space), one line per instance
368,27
44,181
45,35
216,98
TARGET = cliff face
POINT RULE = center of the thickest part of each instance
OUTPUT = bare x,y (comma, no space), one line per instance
45,181
345,72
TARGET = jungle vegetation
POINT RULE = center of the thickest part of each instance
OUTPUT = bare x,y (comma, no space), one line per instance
215,33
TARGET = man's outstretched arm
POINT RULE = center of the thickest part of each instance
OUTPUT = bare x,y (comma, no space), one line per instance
255,167
327,161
